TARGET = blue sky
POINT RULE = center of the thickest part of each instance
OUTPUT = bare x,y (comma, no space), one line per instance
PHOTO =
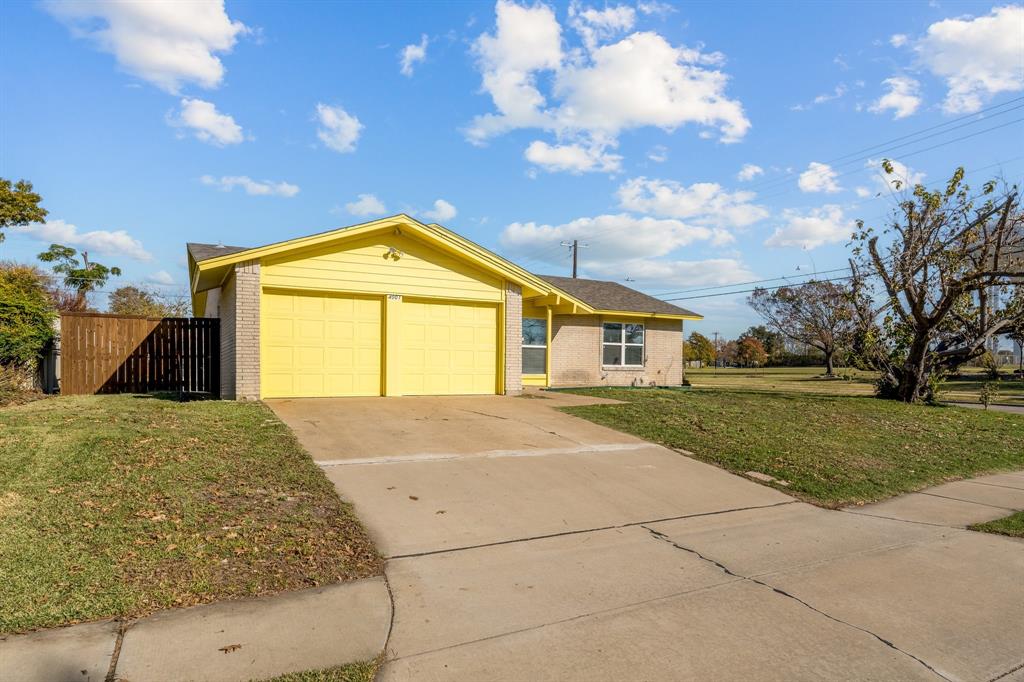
518,125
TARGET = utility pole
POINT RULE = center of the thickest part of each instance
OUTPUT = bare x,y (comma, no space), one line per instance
575,246
716,354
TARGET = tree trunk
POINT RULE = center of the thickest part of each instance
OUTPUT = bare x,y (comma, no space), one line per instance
829,369
914,378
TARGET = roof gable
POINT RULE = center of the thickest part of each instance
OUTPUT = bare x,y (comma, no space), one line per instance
209,268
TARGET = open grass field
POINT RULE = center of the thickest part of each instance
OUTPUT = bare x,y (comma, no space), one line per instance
855,382
833,450
123,505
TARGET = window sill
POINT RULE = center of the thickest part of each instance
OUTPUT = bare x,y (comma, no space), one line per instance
622,368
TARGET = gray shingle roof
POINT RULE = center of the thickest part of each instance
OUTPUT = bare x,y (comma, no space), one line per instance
206,251
613,296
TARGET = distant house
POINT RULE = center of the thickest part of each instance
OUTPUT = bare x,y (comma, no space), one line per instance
398,307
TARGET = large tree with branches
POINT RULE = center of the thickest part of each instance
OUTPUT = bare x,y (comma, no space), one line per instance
819,314
937,282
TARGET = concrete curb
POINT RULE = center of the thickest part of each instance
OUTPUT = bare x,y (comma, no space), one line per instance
232,640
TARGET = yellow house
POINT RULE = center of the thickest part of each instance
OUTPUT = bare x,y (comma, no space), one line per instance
398,307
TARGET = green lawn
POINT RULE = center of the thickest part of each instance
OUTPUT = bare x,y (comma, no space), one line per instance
832,450
353,672
854,382
1012,525
123,505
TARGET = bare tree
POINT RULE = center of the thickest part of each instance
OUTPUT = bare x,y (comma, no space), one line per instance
819,314
942,260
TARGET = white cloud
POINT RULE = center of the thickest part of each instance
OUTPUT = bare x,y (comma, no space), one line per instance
904,97
862,192
412,54
112,243
339,130
819,177
643,80
161,277
978,58
658,153
836,93
165,42
703,202
596,93
526,40
574,158
812,229
366,204
252,187
901,175
442,212
206,123
898,40
673,273
653,7
621,236
596,25
749,172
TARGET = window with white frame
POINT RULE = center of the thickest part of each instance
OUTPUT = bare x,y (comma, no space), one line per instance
535,345
622,345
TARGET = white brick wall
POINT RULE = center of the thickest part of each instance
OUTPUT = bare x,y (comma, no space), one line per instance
239,304
576,354
513,339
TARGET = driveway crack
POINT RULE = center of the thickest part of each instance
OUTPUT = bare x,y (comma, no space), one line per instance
525,422
725,569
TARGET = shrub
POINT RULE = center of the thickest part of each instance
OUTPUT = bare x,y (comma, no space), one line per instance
26,315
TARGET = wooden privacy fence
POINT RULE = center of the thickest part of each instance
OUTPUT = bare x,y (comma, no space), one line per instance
115,354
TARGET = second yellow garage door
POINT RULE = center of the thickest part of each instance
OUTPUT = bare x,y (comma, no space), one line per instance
449,348
320,345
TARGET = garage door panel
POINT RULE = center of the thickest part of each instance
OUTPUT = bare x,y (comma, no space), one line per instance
320,345
448,348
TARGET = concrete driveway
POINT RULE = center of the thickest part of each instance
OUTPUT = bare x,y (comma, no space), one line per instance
524,543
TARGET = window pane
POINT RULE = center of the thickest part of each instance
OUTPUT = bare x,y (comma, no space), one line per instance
612,355
533,360
634,355
634,333
534,331
612,332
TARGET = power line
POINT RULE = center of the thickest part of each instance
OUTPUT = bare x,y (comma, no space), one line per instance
879,147
907,155
755,281
747,291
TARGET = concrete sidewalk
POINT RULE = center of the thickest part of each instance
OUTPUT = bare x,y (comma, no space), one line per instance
230,641
958,504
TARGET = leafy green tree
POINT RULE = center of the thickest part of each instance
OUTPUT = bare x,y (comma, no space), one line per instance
698,348
750,352
129,300
774,343
19,205
80,276
26,314
819,314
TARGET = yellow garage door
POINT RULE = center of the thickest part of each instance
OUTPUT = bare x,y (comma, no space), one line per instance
449,348
316,345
